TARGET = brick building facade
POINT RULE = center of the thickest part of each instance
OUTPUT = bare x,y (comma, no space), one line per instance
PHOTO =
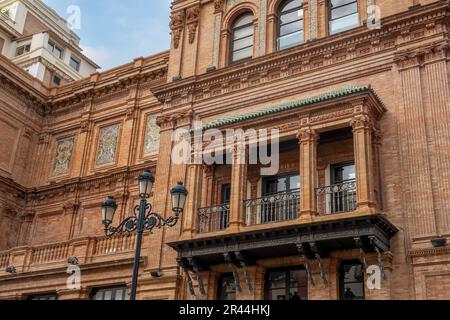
363,115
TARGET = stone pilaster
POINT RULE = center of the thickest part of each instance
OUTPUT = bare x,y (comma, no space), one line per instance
363,149
238,186
308,139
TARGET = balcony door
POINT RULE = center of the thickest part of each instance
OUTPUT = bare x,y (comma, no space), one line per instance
225,198
343,195
280,198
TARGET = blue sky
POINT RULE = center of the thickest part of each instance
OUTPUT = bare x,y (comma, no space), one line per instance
114,32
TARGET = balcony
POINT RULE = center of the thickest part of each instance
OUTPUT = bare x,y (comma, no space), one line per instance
272,208
50,256
337,198
321,199
214,218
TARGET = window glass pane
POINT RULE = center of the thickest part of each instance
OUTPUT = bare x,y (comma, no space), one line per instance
75,64
292,16
243,43
108,295
243,20
344,11
277,279
279,294
291,28
344,23
119,294
243,32
294,183
338,3
289,5
242,54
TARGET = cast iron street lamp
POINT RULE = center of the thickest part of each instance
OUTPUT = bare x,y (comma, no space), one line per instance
143,218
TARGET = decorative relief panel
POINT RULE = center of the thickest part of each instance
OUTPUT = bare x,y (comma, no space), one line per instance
107,145
63,156
151,145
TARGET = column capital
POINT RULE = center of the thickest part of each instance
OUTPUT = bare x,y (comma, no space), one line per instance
361,121
307,135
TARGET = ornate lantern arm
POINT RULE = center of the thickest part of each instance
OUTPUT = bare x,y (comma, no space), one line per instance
152,220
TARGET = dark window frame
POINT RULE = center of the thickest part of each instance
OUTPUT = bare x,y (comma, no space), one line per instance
339,165
287,270
330,20
78,61
21,50
232,40
43,296
113,290
58,82
280,25
342,282
280,176
52,46
220,292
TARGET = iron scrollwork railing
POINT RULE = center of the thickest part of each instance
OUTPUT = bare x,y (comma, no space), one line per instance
151,221
272,208
339,197
214,218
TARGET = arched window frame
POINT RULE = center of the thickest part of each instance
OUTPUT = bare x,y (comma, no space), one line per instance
233,29
281,5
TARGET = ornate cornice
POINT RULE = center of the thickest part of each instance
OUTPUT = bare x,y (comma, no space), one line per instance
419,56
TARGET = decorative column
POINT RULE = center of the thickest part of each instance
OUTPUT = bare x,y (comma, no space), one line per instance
308,139
194,185
363,149
207,185
238,186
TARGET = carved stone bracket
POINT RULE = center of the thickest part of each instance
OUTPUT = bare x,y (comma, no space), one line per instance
374,244
244,264
302,252
192,18
183,264
218,6
176,25
307,135
317,254
230,262
197,272
362,250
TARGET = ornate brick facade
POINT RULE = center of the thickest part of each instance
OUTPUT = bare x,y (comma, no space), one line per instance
376,98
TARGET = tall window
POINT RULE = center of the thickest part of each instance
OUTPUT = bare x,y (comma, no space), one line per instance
351,281
226,288
74,63
113,293
290,24
286,284
343,15
23,49
242,38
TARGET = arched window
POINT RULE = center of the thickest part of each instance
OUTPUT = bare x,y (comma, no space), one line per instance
290,24
343,15
242,38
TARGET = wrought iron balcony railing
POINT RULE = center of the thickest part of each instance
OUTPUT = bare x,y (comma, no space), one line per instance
340,197
272,208
215,218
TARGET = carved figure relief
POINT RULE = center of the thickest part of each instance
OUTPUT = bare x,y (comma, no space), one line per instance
151,145
63,156
107,145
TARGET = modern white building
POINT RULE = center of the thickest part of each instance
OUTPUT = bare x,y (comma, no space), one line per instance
37,39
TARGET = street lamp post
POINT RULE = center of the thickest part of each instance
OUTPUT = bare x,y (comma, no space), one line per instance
143,218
